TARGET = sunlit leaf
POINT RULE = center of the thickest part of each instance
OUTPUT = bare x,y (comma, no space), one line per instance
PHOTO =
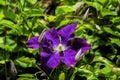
64,22
7,44
102,59
3,61
115,41
116,70
102,68
26,77
110,31
87,72
105,12
85,26
32,12
1,16
7,23
32,1
25,62
116,20
51,18
96,5
64,10
118,27
62,76
3,2
102,1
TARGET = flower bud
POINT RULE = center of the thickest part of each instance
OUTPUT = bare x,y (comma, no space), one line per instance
78,55
13,68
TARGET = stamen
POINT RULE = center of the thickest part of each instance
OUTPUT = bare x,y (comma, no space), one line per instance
59,48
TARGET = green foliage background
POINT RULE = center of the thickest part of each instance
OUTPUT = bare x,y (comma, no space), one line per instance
100,26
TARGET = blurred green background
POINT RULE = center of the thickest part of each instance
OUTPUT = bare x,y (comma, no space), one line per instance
99,24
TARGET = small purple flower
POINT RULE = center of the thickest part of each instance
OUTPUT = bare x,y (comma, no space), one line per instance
59,46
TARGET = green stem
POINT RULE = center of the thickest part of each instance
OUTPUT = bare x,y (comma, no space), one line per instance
5,56
69,74
5,65
51,74
44,72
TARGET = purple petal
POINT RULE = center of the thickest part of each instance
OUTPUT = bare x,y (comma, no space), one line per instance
51,35
53,61
69,57
33,42
79,43
45,54
67,31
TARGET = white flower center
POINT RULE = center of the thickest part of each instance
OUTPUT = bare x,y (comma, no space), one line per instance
59,48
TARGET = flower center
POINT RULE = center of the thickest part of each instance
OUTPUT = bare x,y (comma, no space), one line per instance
59,48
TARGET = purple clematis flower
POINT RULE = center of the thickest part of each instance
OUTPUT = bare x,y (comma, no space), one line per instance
59,46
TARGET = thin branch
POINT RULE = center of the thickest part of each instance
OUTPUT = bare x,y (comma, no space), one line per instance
5,55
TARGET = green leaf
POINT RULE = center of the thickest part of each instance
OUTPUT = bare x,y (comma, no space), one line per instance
51,18
22,2
118,27
1,16
92,77
63,23
102,1
1,42
64,10
26,77
102,68
9,15
102,59
85,26
110,31
33,12
116,20
20,30
32,1
3,61
96,5
26,62
105,12
116,70
88,72
3,2
9,45
62,76
115,41
7,23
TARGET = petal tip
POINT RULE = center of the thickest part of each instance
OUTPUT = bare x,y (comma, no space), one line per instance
33,43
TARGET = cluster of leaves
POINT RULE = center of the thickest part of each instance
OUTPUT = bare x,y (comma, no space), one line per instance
98,24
